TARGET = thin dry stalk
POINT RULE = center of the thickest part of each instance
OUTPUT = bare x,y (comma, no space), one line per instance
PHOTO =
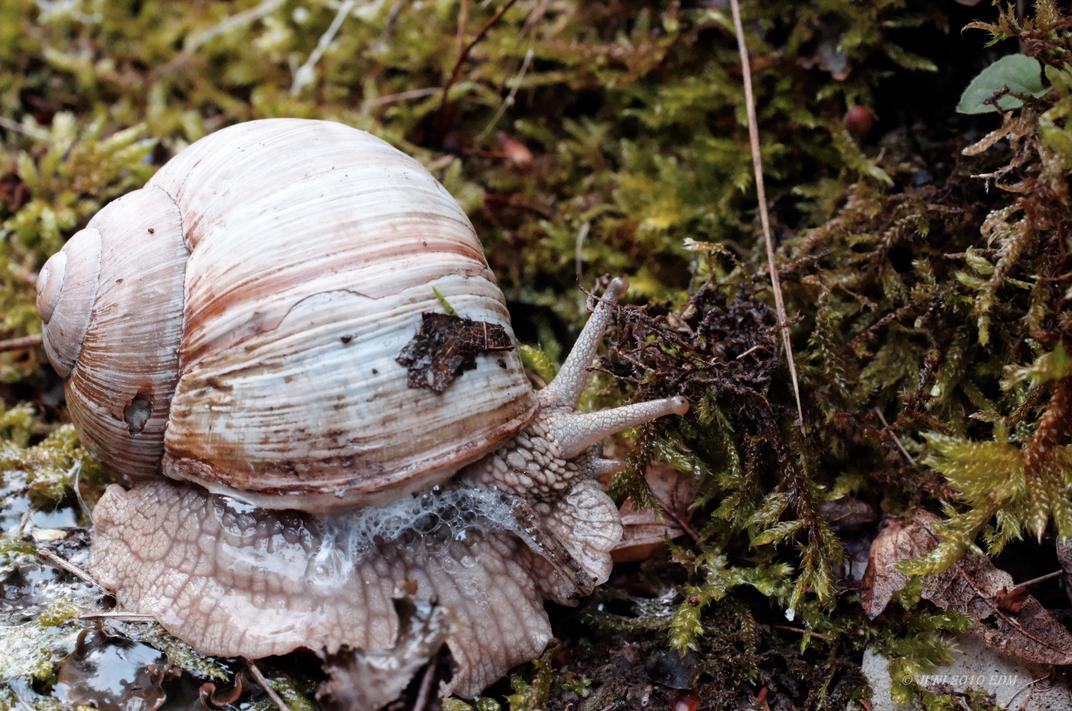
896,439
57,562
400,96
117,615
761,196
424,693
1039,579
232,22
515,84
306,73
464,53
267,686
578,249
23,343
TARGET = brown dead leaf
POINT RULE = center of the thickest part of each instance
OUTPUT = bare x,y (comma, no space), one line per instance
514,150
1008,620
1012,601
446,346
847,513
646,531
898,540
1064,557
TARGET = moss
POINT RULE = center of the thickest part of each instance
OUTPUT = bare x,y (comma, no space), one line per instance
58,613
51,466
532,693
28,652
178,652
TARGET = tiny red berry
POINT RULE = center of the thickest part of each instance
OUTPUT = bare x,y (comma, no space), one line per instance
858,121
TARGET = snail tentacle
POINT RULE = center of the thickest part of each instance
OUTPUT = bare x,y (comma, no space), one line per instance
565,390
576,432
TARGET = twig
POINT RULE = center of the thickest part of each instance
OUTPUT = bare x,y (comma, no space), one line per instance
425,691
464,53
117,615
515,84
231,22
400,96
25,519
896,439
578,251
800,630
66,565
306,72
1039,579
23,343
34,133
260,679
761,196
681,523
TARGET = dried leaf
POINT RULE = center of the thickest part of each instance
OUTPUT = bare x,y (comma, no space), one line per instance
848,513
1064,557
973,586
896,541
646,531
1010,621
446,346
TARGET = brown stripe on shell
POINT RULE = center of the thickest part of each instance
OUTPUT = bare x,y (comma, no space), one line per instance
315,249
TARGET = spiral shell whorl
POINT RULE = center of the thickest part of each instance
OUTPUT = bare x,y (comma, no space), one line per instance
66,287
120,381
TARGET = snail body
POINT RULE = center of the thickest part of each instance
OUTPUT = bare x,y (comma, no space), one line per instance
235,325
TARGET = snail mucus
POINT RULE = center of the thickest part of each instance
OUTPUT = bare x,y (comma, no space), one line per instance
229,335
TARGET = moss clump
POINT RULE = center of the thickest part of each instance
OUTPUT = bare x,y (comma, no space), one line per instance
52,466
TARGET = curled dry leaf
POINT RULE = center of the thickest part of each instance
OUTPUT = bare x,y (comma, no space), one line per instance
368,680
848,513
1007,619
646,531
1064,557
212,695
446,346
514,150
898,540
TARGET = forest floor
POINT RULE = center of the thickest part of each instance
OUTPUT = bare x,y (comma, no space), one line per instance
877,514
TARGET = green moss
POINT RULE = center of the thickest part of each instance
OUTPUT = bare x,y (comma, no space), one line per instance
178,652
58,613
52,465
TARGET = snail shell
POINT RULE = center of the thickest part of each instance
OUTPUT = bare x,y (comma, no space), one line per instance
197,320
236,324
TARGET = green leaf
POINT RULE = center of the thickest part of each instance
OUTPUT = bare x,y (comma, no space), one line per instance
444,303
1017,72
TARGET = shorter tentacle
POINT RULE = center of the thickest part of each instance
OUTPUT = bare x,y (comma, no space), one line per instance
566,388
576,432
599,467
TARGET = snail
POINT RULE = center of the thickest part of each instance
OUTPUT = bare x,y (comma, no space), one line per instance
229,336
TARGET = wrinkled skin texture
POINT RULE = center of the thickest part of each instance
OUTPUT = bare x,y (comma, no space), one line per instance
525,523
260,583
